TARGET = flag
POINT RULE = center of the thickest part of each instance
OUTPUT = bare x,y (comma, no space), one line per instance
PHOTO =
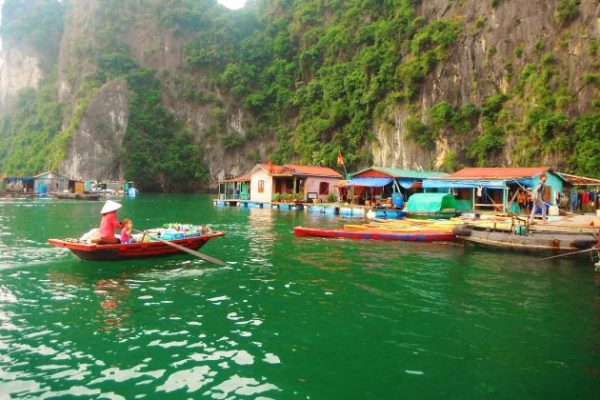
340,160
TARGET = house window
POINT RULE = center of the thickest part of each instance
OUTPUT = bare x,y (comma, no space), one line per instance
324,188
261,186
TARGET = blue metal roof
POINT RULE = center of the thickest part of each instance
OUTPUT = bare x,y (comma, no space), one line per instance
462,184
370,182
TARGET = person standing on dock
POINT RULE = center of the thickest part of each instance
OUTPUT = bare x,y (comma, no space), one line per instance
538,199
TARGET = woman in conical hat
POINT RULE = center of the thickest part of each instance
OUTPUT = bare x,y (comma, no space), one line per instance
109,223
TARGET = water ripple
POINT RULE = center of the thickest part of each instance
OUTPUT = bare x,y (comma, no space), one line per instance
287,317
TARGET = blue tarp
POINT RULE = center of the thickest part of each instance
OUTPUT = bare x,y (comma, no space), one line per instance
406,183
462,184
370,182
431,202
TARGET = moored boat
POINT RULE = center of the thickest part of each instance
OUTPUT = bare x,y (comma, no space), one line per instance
76,196
374,234
144,249
520,238
385,213
432,215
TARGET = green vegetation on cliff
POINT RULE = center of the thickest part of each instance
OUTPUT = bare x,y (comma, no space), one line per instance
28,134
316,73
159,154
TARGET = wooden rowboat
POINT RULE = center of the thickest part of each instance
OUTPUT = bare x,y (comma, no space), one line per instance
115,252
523,240
374,234
76,196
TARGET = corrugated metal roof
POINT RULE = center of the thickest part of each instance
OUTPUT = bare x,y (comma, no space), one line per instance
404,173
497,173
579,180
310,170
243,178
43,175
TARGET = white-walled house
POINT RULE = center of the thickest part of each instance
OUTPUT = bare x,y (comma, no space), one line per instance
311,182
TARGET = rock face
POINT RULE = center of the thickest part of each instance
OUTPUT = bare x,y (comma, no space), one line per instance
95,150
18,70
78,39
152,47
477,68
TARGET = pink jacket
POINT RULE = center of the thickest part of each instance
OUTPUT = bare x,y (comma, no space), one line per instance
108,225
125,236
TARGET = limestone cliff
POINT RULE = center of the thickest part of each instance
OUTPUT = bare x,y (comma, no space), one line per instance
19,69
485,62
106,45
96,147
156,48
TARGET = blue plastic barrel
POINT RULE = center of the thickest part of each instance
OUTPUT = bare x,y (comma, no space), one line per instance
398,200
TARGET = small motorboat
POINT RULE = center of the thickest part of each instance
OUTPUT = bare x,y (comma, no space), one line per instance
146,247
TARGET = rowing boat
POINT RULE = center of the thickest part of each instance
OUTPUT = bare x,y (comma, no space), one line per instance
76,196
145,249
403,230
521,239
374,234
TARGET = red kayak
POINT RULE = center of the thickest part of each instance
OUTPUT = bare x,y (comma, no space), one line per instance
113,252
417,236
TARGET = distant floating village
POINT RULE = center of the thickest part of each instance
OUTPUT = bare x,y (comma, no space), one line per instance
52,184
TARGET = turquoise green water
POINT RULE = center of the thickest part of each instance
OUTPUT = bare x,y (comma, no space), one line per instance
287,317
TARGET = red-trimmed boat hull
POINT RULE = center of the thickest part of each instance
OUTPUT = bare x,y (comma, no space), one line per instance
115,252
420,236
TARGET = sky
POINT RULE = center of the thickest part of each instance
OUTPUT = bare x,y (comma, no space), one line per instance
233,4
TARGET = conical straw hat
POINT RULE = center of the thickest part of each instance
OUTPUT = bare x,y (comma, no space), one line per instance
110,206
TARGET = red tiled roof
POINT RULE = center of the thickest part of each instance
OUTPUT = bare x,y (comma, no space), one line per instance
497,173
310,170
295,169
276,170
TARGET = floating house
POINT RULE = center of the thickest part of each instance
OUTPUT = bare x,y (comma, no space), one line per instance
235,188
377,183
495,189
305,181
47,182
19,184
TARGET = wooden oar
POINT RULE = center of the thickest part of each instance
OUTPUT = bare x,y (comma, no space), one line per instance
182,248
572,253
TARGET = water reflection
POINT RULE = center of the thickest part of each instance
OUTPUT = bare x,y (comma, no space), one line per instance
112,293
261,235
421,316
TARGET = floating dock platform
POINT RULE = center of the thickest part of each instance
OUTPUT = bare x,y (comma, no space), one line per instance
329,209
